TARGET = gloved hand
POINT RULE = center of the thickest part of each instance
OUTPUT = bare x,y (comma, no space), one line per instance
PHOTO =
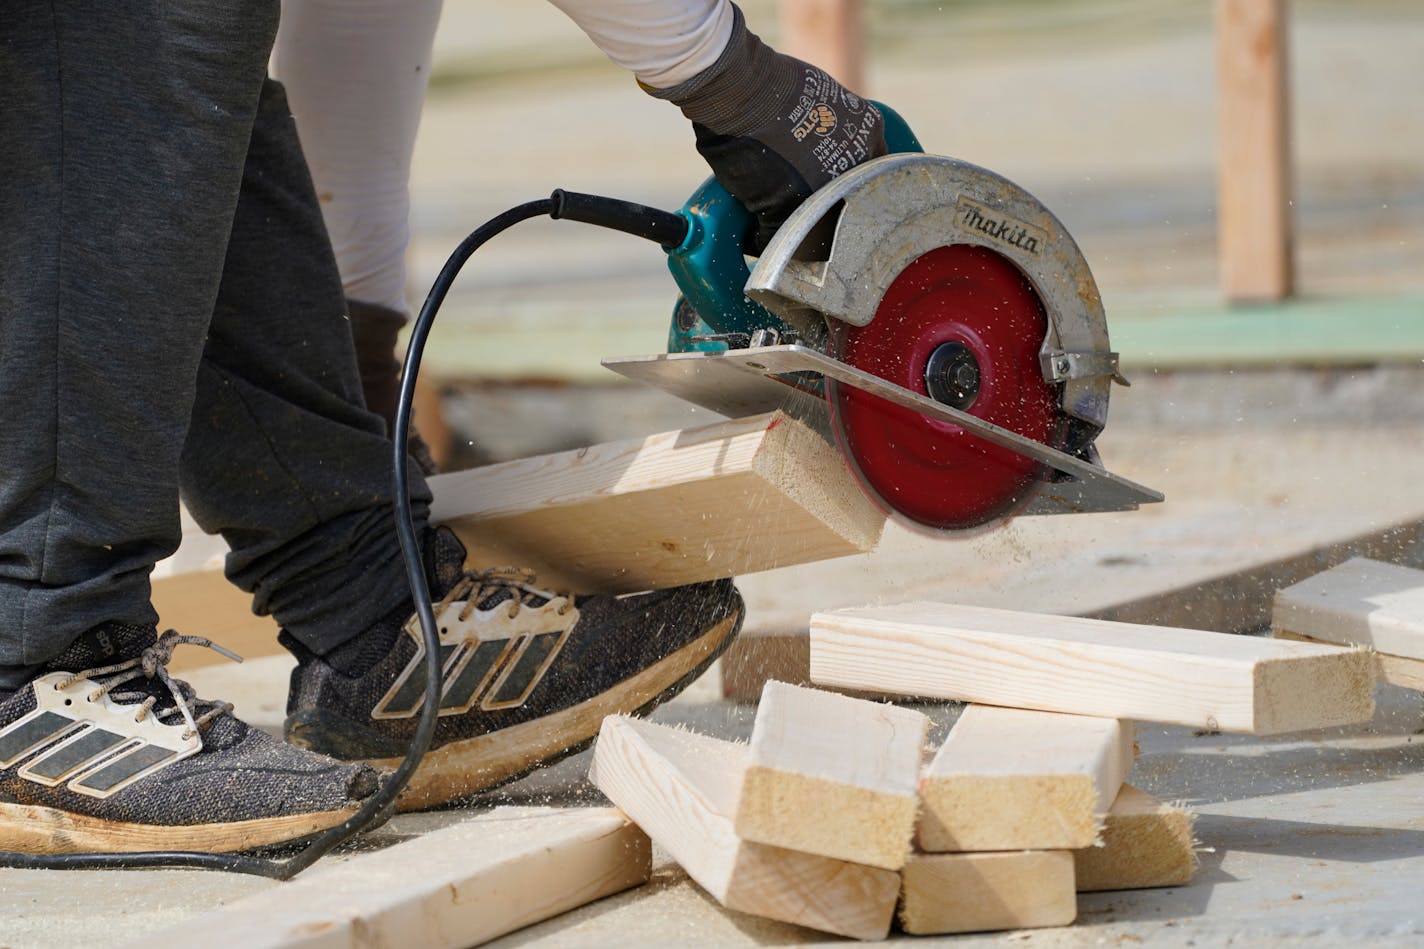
774,128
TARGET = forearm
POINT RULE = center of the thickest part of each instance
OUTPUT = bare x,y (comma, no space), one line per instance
662,42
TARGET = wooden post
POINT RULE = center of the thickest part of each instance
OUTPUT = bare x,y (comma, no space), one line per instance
828,33
1254,181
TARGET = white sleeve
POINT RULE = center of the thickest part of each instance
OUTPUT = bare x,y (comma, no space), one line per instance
356,73
662,42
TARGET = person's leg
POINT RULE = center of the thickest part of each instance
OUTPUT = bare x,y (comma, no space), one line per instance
122,140
355,72
282,458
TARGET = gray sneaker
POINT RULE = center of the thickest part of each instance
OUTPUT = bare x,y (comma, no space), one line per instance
529,673
104,752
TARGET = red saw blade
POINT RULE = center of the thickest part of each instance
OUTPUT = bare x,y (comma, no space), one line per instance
969,320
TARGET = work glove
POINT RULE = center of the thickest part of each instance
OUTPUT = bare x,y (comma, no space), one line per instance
774,128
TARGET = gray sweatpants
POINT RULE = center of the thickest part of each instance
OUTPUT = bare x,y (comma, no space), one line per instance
171,316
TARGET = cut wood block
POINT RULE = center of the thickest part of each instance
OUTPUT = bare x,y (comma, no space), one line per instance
454,887
1188,677
1395,670
1361,602
682,789
1145,843
719,501
1012,779
832,775
980,892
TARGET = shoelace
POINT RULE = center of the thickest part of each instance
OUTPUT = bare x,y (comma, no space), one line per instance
153,663
475,586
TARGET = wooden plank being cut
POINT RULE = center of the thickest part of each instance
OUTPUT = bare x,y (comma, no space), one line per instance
1188,677
1395,670
682,789
1013,779
981,892
718,501
454,887
1145,843
1361,602
832,775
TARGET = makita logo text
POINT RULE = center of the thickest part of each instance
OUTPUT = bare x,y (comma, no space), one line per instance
1001,227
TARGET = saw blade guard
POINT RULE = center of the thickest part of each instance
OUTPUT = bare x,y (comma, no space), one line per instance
894,210
950,281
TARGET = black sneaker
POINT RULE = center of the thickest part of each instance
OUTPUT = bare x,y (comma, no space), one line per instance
529,674
103,752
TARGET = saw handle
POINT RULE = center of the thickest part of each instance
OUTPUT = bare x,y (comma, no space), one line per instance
710,267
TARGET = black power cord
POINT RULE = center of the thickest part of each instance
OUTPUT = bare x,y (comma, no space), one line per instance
656,225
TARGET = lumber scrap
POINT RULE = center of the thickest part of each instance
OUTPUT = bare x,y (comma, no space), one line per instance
682,788
717,501
1187,677
1146,843
452,888
1015,779
980,892
1361,602
832,775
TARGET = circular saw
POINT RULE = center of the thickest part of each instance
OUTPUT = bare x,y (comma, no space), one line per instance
948,324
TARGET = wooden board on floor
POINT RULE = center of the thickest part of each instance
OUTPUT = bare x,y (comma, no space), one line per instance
682,788
1361,602
452,888
1015,779
718,501
832,775
1146,843
193,596
1187,677
980,892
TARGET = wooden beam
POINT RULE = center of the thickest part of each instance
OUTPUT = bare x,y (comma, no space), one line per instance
1394,670
828,33
682,789
1188,677
451,888
832,775
1012,779
1361,602
982,892
1145,843
718,501
1254,179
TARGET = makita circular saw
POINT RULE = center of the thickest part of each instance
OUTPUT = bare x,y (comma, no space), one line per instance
941,314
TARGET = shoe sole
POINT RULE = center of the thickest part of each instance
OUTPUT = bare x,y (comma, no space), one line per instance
33,829
475,765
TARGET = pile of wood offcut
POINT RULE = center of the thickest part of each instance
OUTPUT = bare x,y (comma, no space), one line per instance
830,818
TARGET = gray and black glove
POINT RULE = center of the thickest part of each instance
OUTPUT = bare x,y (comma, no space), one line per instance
774,128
